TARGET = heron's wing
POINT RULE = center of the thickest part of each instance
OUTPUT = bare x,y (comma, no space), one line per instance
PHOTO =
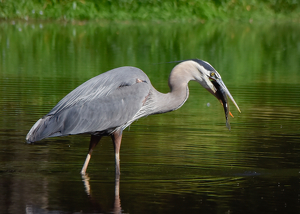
100,86
105,113
103,103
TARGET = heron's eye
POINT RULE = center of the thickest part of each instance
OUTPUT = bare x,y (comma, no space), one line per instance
212,74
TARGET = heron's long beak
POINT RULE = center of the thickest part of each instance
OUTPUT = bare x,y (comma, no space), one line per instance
221,94
224,89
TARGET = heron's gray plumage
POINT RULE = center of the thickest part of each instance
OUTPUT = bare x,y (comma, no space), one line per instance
101,104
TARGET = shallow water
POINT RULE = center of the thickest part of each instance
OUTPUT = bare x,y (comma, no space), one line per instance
185,161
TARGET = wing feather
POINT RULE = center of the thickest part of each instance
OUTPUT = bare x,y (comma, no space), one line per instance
101,104
100,86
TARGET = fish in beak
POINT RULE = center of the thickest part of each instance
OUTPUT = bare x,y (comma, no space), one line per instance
221,94
211,80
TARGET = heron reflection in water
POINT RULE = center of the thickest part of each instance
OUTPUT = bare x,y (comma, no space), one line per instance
106,104
117,209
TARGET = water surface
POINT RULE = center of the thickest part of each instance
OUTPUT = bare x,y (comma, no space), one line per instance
185,161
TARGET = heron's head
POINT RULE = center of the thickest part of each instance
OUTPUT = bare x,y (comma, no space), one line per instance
211,80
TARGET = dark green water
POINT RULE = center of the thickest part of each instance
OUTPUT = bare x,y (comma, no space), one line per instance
180,162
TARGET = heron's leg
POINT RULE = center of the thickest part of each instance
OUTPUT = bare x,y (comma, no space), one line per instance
117,138
93,143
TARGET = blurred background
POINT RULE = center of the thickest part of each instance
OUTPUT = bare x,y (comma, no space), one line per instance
145,10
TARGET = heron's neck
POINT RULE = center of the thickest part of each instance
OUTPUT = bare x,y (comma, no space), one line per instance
179,91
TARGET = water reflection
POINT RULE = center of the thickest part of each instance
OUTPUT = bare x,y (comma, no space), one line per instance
43,202
117,203
117,209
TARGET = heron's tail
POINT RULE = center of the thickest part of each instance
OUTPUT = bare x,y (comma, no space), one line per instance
43,128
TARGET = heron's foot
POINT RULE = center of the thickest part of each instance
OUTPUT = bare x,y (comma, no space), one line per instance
83,173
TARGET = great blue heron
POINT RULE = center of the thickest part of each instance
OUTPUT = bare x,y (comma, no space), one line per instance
109,102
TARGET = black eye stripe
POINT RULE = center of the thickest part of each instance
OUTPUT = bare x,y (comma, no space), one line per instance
204,64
